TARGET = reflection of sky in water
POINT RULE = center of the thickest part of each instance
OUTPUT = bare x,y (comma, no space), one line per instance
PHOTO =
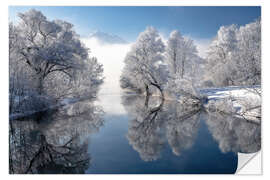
148,139
111,153
111,104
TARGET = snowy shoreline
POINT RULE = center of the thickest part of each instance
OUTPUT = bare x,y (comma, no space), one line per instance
64,102
242,102
216,98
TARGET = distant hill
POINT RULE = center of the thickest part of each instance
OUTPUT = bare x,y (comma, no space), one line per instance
106,38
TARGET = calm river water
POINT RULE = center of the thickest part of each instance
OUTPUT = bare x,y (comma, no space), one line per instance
127,134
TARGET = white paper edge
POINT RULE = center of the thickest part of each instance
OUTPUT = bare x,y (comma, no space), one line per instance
249,164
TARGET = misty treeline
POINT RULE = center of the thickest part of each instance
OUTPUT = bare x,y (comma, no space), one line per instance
47,63
175,69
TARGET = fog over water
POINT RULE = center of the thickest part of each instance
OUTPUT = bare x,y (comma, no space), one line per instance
112,57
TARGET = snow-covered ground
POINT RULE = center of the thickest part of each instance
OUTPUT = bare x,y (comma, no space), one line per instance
235,91
243,102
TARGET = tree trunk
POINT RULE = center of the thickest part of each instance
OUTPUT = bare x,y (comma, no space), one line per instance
182,71
160,90
40,85
147,94
174,61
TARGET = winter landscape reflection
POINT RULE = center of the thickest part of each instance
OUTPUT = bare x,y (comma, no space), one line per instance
156,104
157,136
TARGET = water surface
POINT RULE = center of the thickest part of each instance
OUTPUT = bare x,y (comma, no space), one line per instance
152,136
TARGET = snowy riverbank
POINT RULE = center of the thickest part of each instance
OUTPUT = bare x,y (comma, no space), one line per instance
64,102
242,102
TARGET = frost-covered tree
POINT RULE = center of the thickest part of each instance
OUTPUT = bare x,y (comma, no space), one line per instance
48,47
143,63
183,89
174,54
219,54
85,82
48,59
234,56
23,95
181,54
152,64
249,54
184,65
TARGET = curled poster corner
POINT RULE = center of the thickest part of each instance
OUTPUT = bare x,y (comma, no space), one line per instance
249,164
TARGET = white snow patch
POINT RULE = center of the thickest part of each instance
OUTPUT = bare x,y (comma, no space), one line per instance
244,102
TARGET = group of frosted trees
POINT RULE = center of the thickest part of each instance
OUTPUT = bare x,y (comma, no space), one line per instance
174,67
152,64
234,56
48,62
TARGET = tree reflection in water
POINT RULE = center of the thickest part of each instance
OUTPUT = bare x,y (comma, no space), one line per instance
57,144
234,134
155,122
158,121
